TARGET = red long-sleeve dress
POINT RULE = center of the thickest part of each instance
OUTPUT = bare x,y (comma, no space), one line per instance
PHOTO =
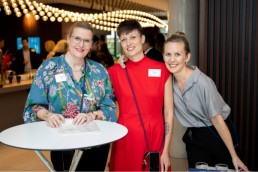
148,78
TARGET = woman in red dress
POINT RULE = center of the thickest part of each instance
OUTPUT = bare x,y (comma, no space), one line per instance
152,85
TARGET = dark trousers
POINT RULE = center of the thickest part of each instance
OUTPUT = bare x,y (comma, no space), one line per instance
93,159
204,146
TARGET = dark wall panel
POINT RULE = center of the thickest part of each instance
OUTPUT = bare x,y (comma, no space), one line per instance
228,54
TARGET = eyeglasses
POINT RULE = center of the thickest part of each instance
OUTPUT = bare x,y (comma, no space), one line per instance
78,40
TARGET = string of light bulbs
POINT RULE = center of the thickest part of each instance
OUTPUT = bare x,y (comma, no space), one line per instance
107,21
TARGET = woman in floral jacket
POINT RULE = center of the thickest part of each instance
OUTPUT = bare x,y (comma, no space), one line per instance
71,86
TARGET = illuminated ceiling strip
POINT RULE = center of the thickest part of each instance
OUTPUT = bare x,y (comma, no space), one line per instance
103,21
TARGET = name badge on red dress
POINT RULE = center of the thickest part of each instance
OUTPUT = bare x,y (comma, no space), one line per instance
154,72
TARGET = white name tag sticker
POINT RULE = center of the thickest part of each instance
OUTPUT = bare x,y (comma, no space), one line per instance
60,77
154,72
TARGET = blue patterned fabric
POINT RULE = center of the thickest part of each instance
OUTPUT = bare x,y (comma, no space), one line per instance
65,97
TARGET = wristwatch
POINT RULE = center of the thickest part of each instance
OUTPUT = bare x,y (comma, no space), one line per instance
96,114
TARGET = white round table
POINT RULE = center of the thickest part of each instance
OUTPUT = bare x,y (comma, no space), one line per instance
38,136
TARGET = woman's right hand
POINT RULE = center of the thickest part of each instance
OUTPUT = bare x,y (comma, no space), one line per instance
83,118
55,120
122,59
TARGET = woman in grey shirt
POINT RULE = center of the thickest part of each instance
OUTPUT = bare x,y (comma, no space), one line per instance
199,106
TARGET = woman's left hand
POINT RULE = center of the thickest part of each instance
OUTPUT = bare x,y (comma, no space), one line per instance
239,164
164,162
83,118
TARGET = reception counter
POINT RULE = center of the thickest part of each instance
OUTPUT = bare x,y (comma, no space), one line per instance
12,100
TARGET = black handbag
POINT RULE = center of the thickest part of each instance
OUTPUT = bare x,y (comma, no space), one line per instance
151,158
188,136
151,161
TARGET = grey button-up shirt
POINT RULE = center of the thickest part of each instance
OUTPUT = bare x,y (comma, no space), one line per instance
199,100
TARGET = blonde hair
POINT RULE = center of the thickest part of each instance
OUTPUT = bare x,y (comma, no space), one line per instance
179,37
49,45
61,46
80,24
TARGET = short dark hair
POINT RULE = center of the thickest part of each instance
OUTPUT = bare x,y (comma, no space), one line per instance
24,38
128,26
149,38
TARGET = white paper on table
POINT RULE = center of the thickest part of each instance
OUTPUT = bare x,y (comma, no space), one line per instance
69,127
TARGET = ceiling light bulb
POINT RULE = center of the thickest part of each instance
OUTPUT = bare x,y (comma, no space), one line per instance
7,8
37,17
14,5
34,12
44,18
18,14
63,15
39,9
56,14
66,19
41,13
5,4
25,11
59,19
20,2
27,15
31,7
49,14
52,19
8,12
16,10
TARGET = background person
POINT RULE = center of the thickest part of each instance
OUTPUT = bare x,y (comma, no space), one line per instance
199,106
60,48
49,46
153,88
150,50
56,94
25,59
104,56
6,57
159,42
94,49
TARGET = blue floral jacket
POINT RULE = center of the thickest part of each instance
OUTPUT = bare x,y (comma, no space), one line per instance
55,89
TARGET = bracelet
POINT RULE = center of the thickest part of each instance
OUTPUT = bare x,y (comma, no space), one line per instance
96,114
